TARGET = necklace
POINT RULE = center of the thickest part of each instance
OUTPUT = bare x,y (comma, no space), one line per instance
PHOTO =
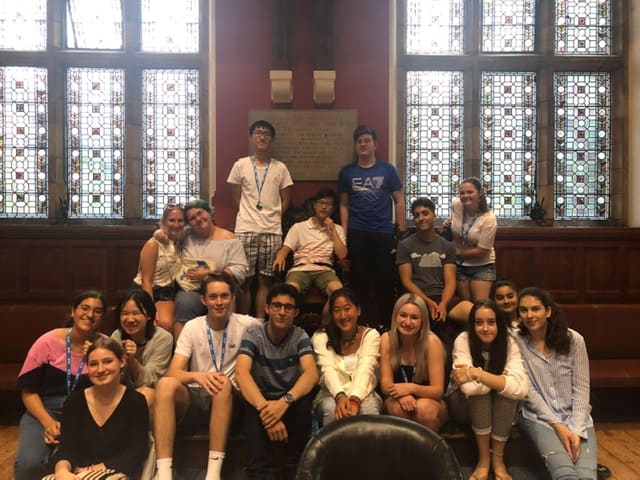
347,342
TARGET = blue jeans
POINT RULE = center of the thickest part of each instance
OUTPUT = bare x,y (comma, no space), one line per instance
326,408
556,458
188,306
32,459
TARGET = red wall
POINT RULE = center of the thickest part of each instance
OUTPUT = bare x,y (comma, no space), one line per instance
243,55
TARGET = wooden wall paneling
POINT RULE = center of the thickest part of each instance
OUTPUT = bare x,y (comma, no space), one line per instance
46,268
516,263
560,270
10,261
602,273
126,266
632,259
89,267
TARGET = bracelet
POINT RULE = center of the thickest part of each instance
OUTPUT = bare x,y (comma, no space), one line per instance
338,395
355,401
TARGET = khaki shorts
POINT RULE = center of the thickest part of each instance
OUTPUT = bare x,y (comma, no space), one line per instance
319,278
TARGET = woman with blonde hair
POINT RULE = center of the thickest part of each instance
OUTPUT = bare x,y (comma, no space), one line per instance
412,365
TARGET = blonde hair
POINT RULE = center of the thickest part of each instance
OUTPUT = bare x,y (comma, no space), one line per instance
421,344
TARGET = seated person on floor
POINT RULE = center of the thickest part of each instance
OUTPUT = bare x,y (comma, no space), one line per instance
147,347
55,366
199,386
347,355
105,428
276,373
315,243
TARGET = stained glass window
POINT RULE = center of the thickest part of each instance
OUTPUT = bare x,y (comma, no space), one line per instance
435,27
170,26
23,142
91,27
582,145
23,25
583,27
435,113
508,141
171,140
508,26
95,142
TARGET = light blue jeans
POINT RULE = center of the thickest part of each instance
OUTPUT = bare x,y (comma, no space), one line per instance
32,459
556,458
325,410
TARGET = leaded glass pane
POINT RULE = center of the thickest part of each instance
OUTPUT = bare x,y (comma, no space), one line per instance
508,141
583,27
582,145
170,26
435,115
171,139
23,25
23,142
508,26
95,142
91,27
435,27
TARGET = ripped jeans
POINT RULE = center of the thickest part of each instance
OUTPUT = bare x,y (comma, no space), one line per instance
554,455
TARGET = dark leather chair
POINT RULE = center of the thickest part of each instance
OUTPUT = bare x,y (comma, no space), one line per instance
371,447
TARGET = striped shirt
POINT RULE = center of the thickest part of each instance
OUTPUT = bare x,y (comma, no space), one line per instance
559,385
275,368
312,245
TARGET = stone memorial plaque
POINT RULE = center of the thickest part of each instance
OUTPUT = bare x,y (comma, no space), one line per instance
314,144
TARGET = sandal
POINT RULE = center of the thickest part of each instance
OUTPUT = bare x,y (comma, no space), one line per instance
500,477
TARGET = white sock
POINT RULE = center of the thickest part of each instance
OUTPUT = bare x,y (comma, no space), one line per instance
163,469
215,465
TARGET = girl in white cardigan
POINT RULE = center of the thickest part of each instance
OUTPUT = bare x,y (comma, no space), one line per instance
347,355
488,371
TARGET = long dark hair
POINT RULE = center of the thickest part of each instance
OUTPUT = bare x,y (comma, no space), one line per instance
144,302
334,334
497,348
558,337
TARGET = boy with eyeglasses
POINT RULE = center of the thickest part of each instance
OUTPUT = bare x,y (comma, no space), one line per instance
276,372
260,187
315,243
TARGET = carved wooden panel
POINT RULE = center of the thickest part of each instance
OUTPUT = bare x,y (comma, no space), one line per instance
604,274
10,263
88,268
46,270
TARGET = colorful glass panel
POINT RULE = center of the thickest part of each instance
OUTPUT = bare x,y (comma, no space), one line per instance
23,142
583,27
91,27
171,139
435,27
170,26
23,25
95,142
508,141
582,145
508,26
435,113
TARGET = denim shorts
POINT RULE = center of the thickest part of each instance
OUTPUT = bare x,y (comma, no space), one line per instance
480,272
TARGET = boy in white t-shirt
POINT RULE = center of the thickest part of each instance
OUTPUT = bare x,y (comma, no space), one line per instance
260,187
200,386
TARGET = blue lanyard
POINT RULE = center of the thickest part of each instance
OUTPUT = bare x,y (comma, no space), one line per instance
404,375
259,185
222,348
464,232
71,388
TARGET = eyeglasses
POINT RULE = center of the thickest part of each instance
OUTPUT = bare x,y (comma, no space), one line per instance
262,133
84,308
277,306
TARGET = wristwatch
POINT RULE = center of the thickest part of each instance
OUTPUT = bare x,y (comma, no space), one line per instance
288,398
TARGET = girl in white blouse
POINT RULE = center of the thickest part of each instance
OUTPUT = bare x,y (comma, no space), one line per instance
489,372
347,354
